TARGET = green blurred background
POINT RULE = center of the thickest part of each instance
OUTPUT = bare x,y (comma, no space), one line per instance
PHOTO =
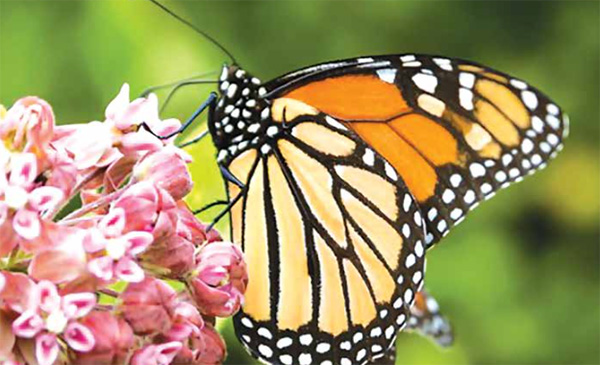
519,279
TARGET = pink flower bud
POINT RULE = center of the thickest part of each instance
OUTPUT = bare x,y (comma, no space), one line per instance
7,337
206,348
188,226
65,261
126,115
30,123
61,172
172,253
9,240
166,170
147,305
113,339
142,203
156,354
220,279
19,293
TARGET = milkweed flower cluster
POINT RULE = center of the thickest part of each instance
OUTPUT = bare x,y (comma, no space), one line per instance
130,276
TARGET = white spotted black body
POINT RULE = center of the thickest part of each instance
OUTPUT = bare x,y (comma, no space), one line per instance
241,116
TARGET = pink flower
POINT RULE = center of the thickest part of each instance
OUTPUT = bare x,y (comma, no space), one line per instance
172,256
206,347
190,228
114,339
219,280
161,354
28,125
144,204
132,226
147,306
166,169
88,145
113,251
23,201
127,117
61,172
173,251
64,262
17,293
7,337
153,307
55,316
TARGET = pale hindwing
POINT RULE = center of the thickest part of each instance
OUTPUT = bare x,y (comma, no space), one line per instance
334,247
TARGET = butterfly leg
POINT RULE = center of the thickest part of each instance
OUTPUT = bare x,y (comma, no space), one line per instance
208,103
229,206
210,205
427,320
229,176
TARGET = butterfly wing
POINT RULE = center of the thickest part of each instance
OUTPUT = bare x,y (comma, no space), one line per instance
334,246
427,320
455,132
358,154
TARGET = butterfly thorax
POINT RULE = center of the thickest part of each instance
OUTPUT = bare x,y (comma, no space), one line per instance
241,116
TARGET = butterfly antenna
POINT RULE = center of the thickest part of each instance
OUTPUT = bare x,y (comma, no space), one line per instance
197,30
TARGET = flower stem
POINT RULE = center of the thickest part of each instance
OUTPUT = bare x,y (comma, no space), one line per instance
52,214
101,202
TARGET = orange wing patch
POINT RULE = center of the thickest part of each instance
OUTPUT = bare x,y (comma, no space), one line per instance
416,172
505,100
498,124
430,138
353,97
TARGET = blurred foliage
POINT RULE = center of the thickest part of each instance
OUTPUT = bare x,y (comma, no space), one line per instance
519,278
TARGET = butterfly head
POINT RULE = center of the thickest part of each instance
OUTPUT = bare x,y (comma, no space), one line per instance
241,113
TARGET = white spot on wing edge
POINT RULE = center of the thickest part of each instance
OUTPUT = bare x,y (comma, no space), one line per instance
425,82
390,172
406,203
465,97
443,63
518,84
369,157
466,79
284,342
323,347
265,351
529,99
364,60
387,74
334,123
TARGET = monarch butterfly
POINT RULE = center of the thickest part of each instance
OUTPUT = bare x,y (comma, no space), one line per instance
341,175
